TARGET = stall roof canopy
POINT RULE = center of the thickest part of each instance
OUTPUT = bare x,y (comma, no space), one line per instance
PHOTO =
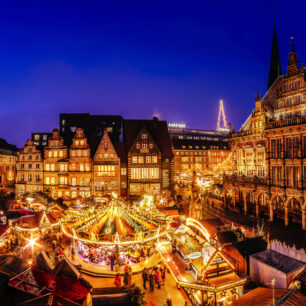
279,261
250,246
212,224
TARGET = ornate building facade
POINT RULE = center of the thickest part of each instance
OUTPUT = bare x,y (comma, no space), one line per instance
270,150
30,170
106,168
76,166
80,167
55,166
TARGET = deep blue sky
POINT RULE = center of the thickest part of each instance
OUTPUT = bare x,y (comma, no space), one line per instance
136,58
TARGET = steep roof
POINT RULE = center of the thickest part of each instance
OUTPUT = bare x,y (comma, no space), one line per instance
157,129
6,148
275,65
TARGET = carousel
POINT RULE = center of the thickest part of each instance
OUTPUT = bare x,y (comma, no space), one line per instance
115,233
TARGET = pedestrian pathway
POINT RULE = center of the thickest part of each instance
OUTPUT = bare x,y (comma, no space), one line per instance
156,298
291,235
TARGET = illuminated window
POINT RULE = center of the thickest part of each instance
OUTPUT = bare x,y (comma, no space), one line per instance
137,145
123,171
61,153
144,136
140,159
73,181
154,159
148,159
47,180
52,167
87,167
134,159
144,145
82,167
55,153
151,145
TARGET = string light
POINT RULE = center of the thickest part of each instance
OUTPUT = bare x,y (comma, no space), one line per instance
221,113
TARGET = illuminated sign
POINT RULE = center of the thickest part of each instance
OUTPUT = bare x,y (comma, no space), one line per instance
177,125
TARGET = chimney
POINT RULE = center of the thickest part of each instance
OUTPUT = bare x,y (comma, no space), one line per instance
155,121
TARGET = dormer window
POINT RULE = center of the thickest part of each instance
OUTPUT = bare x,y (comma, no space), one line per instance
144,145
144,136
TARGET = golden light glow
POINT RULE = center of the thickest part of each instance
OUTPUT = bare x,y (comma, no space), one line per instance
198,226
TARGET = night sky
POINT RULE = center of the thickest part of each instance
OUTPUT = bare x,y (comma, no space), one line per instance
138,58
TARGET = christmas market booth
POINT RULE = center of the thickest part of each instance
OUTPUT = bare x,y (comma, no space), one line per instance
114,234
41,221
204,271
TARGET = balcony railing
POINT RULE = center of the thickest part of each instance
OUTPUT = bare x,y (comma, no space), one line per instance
241,133
285,122
246,179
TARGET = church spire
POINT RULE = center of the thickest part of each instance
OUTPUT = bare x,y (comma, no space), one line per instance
275,65
293,63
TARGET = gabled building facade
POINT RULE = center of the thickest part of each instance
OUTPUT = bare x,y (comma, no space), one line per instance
80,166
106,168
150,157
30,170
55,166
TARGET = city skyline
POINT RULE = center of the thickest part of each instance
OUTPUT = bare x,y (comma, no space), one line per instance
138,61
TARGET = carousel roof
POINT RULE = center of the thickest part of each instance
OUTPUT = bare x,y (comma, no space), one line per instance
114,218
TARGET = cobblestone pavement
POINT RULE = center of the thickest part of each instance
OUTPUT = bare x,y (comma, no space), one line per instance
156,298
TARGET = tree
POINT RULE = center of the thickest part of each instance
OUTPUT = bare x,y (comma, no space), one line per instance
136,295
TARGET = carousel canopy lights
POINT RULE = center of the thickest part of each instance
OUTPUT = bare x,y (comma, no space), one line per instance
116,223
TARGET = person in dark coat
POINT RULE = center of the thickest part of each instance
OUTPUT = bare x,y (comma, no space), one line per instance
151,279
144,277
112,261
126,278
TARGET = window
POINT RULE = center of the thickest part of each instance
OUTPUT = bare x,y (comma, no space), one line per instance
36,137
144,145
140,159
148,159
50,154
29,166
37,166
30,177
73,181
111,156
87,167
55,153
47,167
134,159
137,145
151,145
37,177
30,157
82,167
61,153
123,171
36,157
106,170
144,136
63,167
52,180
87,181
47,180
73,167
144,173
154,159
22,166
52,167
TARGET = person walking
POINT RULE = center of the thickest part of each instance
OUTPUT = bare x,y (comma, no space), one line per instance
112,261
169,302
151,279
158,277
163,273
117,280
126,278
144,277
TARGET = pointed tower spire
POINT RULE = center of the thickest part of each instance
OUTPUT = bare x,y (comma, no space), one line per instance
293,63
275,65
